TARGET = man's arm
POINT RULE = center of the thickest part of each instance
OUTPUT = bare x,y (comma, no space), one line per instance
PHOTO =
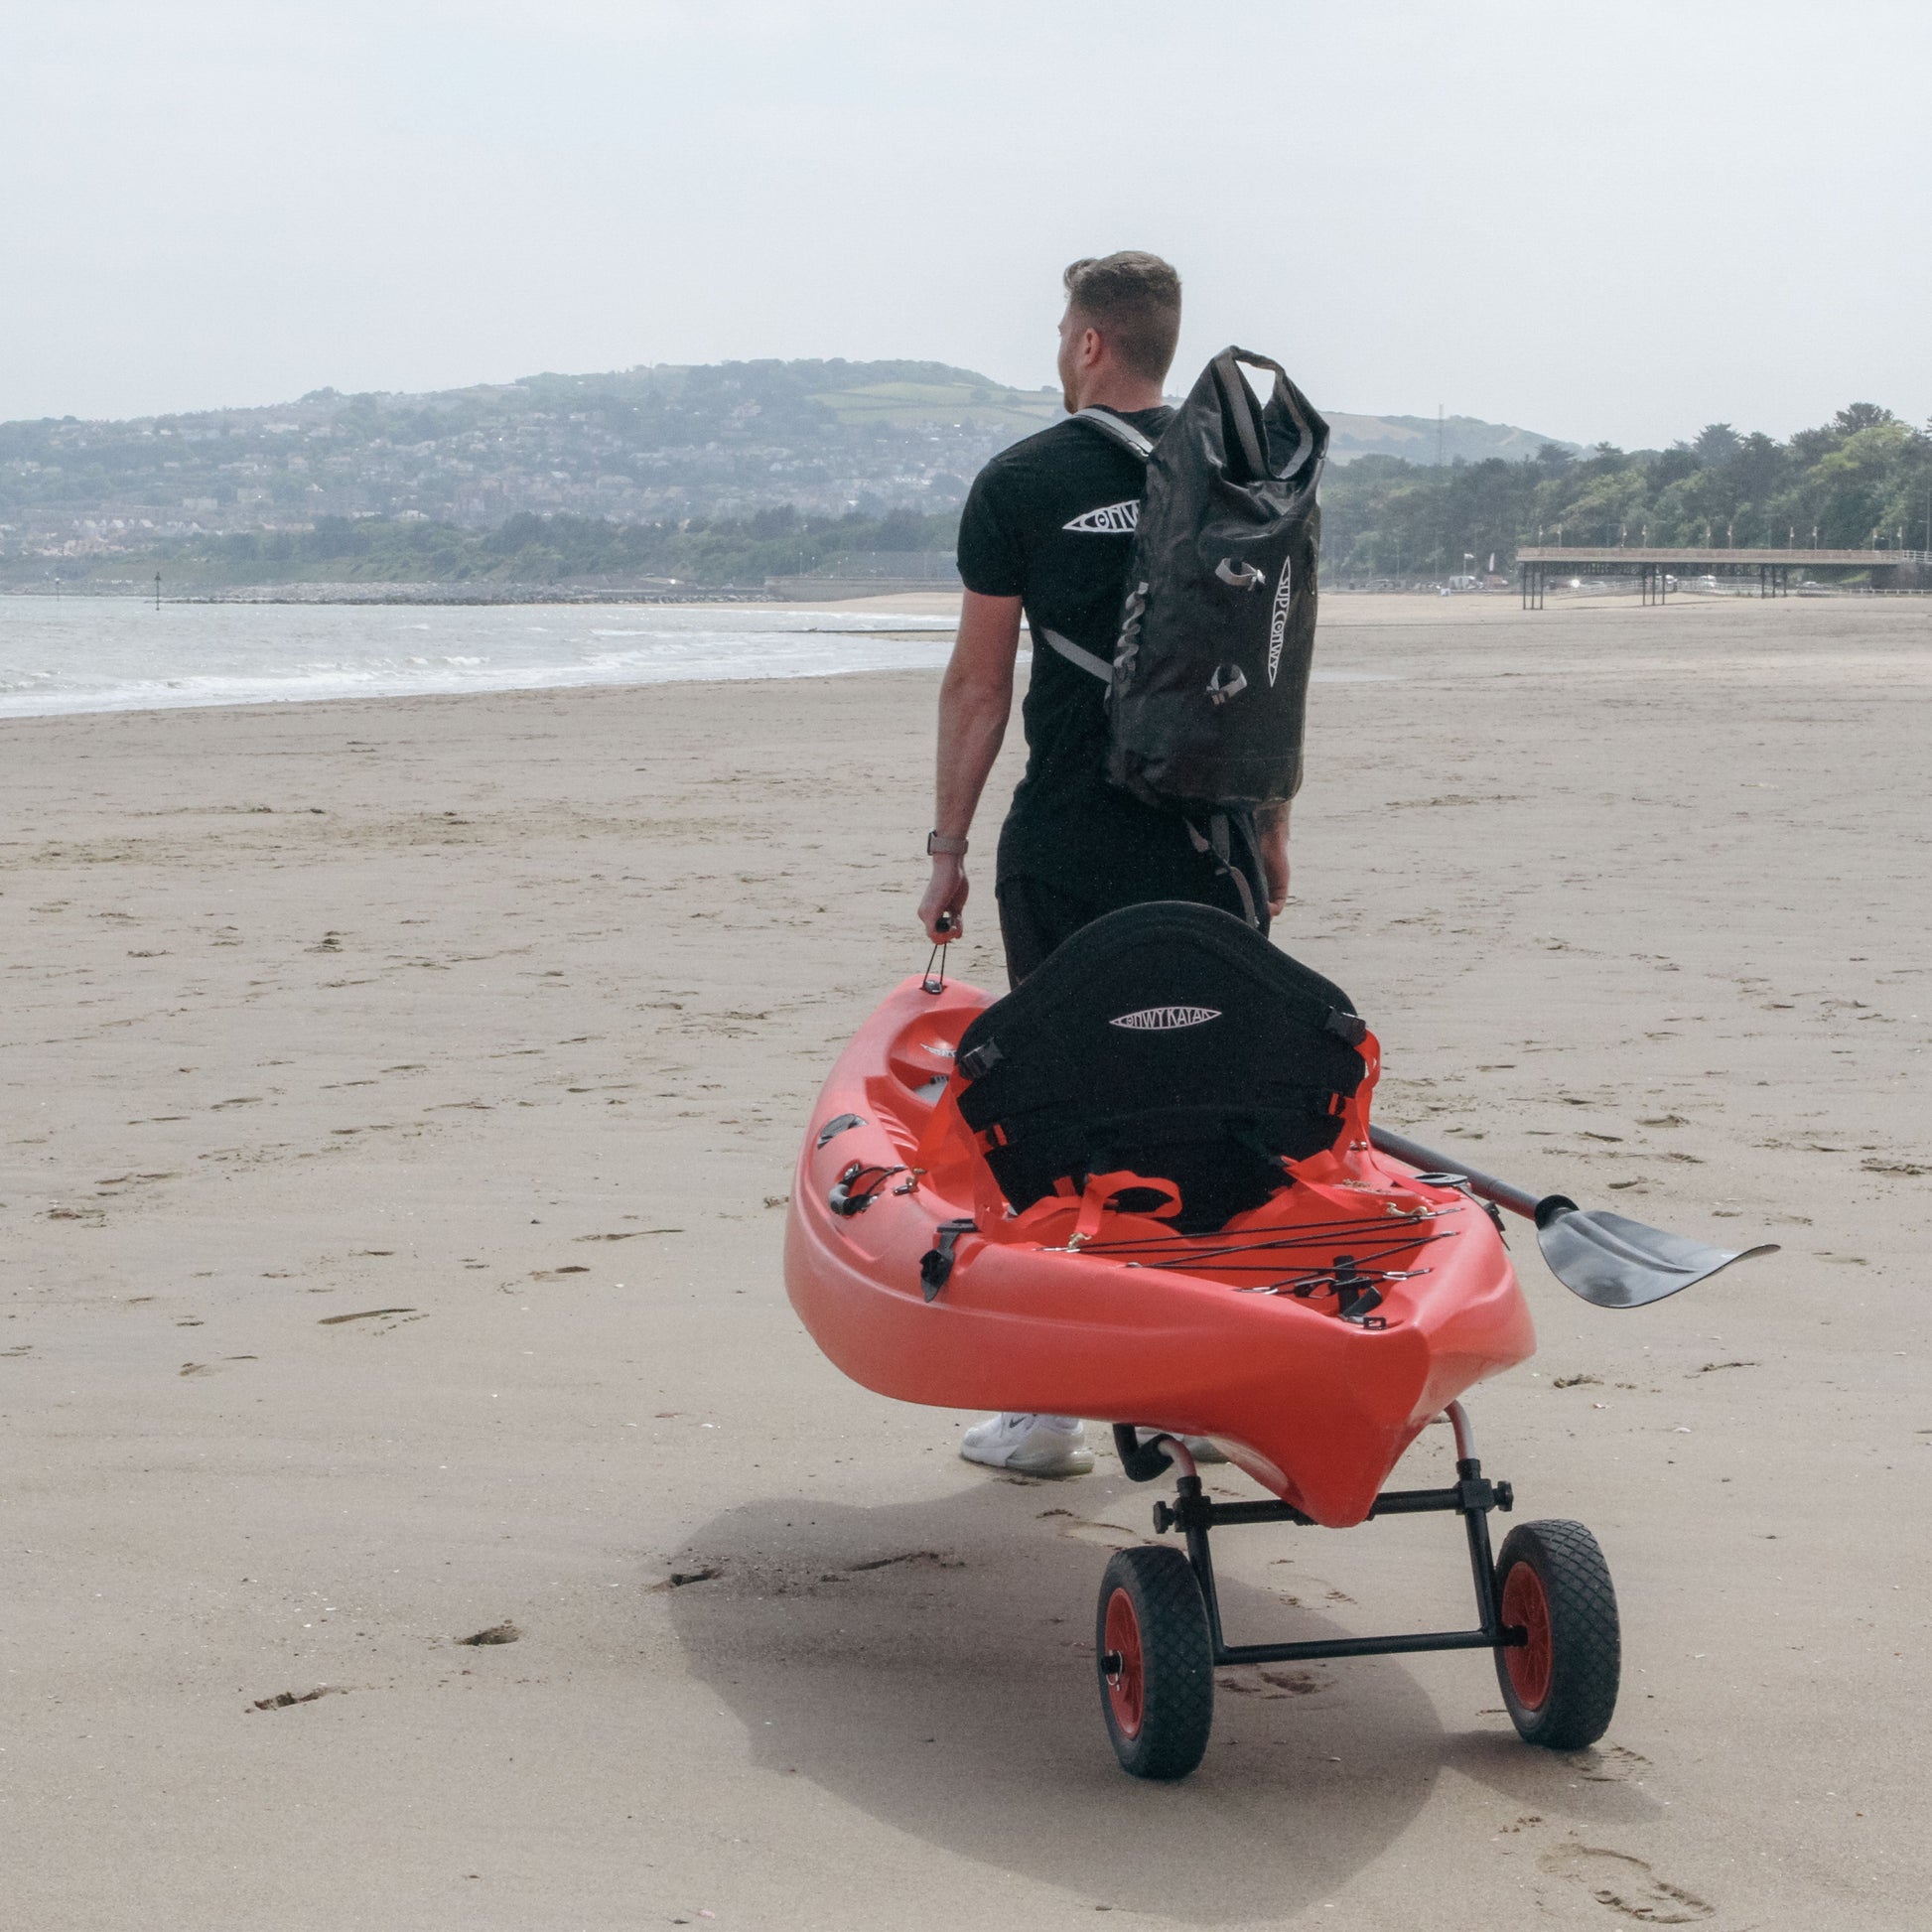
975,702
1271,834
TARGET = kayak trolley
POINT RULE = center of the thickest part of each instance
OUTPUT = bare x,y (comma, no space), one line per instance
1160,1151
1546,1610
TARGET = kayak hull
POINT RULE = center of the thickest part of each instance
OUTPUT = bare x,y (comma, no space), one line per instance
1134,1326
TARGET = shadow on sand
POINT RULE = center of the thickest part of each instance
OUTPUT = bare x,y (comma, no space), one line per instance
931,1664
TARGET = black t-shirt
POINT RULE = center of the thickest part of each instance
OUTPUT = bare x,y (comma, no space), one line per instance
1050,520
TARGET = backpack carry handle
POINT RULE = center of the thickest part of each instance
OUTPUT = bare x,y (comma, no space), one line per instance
1240,409
1246,413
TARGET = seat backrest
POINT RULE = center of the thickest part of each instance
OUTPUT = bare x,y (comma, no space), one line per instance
1170,1039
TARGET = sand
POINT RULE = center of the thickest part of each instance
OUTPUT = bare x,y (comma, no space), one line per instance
400,1099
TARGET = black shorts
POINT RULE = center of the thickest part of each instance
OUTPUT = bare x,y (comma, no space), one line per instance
1034,916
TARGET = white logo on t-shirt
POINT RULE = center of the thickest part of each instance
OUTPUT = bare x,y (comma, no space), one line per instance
1116,521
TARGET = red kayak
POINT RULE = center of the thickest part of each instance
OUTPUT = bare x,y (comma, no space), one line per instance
1312,1333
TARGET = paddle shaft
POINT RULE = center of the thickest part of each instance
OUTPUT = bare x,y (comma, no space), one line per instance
1426,1161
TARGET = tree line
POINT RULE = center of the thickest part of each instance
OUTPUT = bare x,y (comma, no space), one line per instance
1861,480
532,549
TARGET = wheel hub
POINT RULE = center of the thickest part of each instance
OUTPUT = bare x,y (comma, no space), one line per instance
1121,1665
1528,1663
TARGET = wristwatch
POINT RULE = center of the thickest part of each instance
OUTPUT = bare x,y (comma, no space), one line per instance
937,842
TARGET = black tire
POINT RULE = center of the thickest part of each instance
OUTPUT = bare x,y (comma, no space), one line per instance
1155,1662
1561,1687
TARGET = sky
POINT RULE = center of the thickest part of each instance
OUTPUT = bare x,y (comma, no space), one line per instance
1601,222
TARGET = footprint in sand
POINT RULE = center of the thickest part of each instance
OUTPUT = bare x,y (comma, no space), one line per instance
1274,1685
1626,1886
1103,1535
1612,1764
920,1559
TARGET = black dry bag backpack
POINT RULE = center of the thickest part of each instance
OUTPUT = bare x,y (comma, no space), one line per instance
1210,675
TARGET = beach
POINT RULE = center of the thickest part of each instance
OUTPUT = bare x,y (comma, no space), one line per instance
401,1098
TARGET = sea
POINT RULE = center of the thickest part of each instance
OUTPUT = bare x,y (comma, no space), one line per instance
117,653
98,654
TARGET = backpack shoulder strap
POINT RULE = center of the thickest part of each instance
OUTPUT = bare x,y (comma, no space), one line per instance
1115,430
1089,661
1130,439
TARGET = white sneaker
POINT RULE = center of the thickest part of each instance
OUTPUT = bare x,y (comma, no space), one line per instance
1030,1446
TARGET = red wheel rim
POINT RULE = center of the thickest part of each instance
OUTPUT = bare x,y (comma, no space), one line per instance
1127,1682
1525,1604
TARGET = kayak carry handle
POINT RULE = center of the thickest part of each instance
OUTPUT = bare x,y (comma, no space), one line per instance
947,928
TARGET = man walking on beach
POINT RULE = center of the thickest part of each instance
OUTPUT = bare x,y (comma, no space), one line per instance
1047,530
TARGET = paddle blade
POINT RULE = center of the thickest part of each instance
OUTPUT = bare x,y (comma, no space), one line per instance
1614,1262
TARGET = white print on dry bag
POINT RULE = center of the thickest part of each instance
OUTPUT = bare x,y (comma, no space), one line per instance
1278,628
1166,1019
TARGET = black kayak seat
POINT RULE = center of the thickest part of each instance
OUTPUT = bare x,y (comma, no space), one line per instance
1169,1040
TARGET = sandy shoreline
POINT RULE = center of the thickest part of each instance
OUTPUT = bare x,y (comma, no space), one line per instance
489,1023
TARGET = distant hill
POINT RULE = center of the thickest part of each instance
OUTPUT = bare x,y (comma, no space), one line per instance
664,444
1465,438
653,444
